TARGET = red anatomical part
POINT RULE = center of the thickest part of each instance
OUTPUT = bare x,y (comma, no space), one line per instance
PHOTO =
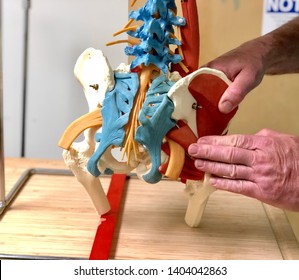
207,89
190,38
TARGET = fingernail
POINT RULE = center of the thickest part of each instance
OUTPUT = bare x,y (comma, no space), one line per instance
226,107
199,163
213,181
202,140
192,149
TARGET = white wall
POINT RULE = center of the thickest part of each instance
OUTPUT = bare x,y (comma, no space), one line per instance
59,31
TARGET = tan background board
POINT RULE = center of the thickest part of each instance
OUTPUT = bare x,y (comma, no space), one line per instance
54,217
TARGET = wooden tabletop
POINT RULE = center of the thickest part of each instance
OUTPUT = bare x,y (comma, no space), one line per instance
53,217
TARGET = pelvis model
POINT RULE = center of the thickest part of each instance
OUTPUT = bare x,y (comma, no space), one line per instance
151,110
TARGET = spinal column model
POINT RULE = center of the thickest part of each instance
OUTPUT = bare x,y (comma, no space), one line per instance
152,109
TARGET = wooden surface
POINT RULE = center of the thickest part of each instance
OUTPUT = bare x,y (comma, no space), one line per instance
54,217
293,218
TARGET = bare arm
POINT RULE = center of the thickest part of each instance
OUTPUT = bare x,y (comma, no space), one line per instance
283,49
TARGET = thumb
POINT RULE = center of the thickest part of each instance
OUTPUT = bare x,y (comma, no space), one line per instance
235,93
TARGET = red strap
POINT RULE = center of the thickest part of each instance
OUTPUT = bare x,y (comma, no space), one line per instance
103,238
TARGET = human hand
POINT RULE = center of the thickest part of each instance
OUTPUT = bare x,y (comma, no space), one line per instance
244,66
264,166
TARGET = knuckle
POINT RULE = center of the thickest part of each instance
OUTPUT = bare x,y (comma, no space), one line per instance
265,132
233,172
199,164
240,186
231,153
205,151
242,141
246,142
268,142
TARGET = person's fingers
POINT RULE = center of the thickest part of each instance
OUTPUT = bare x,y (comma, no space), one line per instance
236,149
269,132
225,154
237,140
232,171
243,187
262,166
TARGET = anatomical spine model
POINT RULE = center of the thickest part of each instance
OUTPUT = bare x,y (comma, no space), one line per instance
152,110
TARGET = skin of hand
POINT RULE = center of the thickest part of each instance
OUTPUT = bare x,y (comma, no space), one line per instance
264,166
245,68
274,53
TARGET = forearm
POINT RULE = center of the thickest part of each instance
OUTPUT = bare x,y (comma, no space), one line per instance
281,49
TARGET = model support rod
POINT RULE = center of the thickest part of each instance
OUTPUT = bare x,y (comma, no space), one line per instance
2,177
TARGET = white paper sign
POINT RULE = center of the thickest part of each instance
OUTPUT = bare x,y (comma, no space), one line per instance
278,12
